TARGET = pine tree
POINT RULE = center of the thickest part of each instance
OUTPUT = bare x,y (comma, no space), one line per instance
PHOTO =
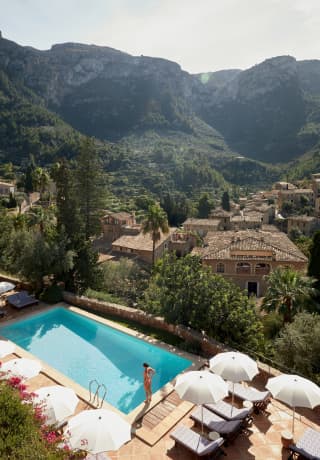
225,201
90,184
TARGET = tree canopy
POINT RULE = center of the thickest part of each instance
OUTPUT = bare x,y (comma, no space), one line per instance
155,222
185,292
298,346
288,292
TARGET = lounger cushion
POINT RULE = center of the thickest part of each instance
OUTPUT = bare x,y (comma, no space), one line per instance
308,445
21,299
195,442
228,412
248,393
216,423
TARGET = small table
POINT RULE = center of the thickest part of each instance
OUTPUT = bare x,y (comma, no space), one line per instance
247,404
286,438
213,435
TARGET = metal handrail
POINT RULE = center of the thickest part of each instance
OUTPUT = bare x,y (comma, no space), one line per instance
95,398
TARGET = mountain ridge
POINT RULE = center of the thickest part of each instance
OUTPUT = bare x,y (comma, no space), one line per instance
269,112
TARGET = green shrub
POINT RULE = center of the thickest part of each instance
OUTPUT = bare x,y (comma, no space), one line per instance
272,324
52,294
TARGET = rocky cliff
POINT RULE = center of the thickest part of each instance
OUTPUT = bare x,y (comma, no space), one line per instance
269,112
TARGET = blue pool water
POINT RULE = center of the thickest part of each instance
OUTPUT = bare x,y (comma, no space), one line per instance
84,349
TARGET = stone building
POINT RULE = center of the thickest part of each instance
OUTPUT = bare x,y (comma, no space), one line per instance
6,188
202,226
316,192
245,257
305,224
140,245
116,224
294,196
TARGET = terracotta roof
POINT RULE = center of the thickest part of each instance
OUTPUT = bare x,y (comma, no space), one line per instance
142,242
122,215
199,222
297,191
302,218
219,245
220,213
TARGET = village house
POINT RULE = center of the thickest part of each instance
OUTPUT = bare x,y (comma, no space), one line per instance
202,226
140,245
295,196
316,192
305,224
245,257
6,188
283,186
116,224
250,220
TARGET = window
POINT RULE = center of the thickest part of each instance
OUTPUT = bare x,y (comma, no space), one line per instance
220,267
243,267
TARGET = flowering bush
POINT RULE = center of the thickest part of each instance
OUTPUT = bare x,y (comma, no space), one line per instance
24,433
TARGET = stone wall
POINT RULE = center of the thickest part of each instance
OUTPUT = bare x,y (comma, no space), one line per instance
209,346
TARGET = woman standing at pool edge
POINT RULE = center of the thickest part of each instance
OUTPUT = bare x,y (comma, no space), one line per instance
147,379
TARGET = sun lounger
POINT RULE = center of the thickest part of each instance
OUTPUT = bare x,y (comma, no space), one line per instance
228,412
259,399
21,299
213,422
308,446
196,443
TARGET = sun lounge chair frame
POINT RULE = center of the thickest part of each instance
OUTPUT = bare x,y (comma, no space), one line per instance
229,412
259,399
21,299
199,445
228,429
307,447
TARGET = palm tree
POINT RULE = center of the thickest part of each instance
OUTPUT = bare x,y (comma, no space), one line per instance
155,222
287,292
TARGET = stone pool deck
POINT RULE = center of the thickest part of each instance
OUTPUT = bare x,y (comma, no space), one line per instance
152,425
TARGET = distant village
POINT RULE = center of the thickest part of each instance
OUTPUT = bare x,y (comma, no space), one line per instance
243,244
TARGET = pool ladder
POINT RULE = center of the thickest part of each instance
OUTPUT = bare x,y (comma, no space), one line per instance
95,399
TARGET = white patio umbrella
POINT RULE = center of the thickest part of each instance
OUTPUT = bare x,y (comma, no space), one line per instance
98,430
295,391
5,286
6,348
233,366
201,387
57,402
22,367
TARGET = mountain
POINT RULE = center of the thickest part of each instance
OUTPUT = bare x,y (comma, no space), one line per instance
159,114
269,112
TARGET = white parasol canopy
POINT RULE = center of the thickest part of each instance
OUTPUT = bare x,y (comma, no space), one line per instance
21,367
57,402
295,391
5,286
201,387
6,348
234,366
98,430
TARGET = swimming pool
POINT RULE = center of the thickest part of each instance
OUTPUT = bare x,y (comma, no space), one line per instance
84,349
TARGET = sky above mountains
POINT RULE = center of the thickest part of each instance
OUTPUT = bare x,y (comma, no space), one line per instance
201,35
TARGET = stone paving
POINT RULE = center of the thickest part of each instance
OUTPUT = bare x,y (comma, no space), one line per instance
262,440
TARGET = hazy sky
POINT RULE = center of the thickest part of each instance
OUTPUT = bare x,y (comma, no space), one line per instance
201,35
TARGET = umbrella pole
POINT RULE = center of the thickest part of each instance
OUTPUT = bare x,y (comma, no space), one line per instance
202,419
294,410
232,400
